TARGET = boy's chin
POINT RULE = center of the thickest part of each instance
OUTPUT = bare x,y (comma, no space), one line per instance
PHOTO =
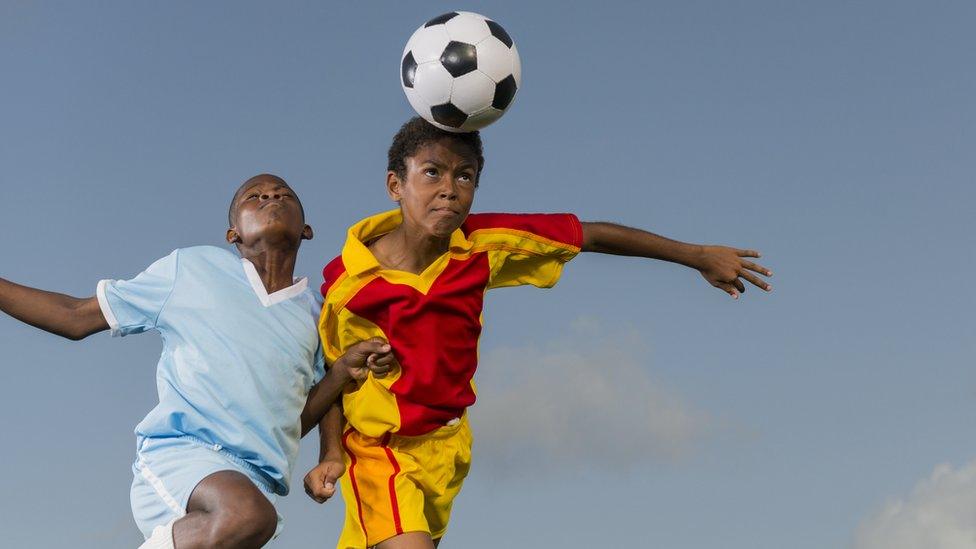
443,230
278,235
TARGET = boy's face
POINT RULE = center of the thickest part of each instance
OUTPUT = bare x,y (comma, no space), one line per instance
436,194
265,208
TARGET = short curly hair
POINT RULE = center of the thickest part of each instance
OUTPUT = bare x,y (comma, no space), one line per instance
416,133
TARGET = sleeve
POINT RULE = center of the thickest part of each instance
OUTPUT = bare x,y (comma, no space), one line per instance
133,306
319,368
526,248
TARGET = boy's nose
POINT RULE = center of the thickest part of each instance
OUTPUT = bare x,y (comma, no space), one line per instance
448,191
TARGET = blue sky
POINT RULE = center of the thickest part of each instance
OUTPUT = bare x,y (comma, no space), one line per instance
632,405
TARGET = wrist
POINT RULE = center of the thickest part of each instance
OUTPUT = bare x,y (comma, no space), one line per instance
331,455
693,256
340,370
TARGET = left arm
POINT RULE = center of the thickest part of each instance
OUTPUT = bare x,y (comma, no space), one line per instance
320,482
366,356
374,355
721,266
322,396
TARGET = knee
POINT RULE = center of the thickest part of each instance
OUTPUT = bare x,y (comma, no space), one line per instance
248,522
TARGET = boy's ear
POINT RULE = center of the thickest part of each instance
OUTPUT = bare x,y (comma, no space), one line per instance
234,238
393,184
307,233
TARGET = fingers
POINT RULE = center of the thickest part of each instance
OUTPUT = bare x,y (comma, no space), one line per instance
757,268
728,288
747,253
381,364
331,477
315,486
755,281
375,345
739,285
320,483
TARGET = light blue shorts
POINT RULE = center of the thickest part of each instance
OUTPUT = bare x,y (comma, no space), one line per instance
168,469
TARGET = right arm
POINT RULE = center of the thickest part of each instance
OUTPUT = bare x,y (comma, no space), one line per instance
63,315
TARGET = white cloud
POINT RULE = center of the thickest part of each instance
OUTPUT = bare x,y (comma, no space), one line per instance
586,401
940,513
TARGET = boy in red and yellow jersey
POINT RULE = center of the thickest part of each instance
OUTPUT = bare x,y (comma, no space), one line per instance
416,277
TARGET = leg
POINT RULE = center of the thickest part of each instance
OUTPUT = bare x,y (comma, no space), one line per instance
226,509
408,540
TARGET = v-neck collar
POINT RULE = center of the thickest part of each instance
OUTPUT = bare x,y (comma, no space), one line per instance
257,285
357,257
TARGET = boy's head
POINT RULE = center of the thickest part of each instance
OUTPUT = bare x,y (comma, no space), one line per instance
416,133
266,210
432,174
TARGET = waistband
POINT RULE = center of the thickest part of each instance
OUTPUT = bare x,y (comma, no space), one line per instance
145,443
446,431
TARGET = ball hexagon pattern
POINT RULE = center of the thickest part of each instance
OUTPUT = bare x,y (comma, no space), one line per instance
460,71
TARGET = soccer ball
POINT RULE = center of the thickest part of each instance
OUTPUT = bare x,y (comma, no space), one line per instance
460,71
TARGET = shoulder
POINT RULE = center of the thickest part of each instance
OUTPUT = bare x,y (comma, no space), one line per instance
196,255
558,227
313,300
206,252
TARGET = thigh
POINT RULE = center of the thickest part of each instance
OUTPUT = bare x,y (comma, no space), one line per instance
227,508
382,499
229,491
400,490
453,457
167,472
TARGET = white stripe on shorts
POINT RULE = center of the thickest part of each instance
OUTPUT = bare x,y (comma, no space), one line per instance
157,485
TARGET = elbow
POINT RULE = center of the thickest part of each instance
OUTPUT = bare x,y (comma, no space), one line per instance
76,331
74,334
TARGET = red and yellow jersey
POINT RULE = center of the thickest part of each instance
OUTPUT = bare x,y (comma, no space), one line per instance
432,320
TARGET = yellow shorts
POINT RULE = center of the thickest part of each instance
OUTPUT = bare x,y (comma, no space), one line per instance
397,484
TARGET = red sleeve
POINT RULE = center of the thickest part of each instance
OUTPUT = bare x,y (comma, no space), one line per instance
564,228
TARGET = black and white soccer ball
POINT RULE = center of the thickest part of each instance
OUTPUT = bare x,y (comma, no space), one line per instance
460,71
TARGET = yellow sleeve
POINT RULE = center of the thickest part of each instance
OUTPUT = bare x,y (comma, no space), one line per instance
525,248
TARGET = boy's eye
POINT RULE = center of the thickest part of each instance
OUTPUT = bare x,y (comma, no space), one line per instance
250,196
431,172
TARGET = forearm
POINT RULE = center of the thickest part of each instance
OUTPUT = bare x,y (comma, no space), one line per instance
70,317
609,238
330,434
321,397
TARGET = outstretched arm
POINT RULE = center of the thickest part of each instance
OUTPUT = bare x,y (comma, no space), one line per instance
722,266
70,317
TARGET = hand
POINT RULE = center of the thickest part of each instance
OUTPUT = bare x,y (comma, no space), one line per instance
320,482
724,267
373,355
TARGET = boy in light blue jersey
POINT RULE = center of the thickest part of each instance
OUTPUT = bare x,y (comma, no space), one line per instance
241,377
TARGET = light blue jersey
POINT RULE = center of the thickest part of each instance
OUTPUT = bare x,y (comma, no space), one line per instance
237,363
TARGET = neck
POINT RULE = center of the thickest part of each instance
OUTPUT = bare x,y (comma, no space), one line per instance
410,250
275,266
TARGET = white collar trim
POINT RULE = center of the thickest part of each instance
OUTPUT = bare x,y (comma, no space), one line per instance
283,294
